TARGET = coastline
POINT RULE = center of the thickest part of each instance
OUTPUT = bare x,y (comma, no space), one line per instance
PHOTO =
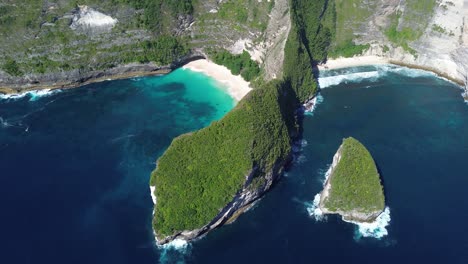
13,89
369,60
199,63
235,85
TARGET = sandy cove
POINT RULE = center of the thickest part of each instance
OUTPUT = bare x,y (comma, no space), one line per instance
236,86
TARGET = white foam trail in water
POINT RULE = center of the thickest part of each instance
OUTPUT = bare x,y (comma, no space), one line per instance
376,229
34,94
153,197
328,81
178,246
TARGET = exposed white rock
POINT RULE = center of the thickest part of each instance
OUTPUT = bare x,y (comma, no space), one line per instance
87,17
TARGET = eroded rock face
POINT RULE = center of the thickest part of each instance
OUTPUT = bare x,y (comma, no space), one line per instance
443,34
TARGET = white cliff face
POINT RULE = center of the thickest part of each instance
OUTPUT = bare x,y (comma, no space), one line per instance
437,49
443,46
87,17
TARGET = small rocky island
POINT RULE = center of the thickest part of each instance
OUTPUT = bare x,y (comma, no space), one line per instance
353,188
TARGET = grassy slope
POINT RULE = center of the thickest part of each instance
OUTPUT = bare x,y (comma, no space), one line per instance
355,181
201,172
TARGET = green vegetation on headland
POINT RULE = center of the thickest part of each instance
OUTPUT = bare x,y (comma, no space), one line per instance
238,64
355,182
348,49
201,172
307,45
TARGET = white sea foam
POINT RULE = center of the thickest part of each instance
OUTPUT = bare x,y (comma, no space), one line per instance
13,96
177,244
33,95
314,210
354,77
376,229
405,71
153,197
174,252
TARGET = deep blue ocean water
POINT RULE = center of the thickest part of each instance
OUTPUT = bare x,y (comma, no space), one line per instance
75,165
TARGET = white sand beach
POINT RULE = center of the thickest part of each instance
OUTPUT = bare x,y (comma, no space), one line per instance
353,62
236,86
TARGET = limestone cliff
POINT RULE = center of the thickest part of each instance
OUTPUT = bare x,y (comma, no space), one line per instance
429,34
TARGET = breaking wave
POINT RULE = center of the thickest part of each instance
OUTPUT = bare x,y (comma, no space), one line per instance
174,252
33,95
376,229
373,73
314,210
354,77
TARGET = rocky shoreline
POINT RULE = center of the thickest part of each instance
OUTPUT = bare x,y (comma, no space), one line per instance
77,78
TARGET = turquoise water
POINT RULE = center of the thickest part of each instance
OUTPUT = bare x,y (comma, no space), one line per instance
75,167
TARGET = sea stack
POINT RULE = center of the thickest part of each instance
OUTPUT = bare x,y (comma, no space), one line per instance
353,188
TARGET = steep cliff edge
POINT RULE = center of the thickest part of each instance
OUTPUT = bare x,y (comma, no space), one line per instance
353,188
432,34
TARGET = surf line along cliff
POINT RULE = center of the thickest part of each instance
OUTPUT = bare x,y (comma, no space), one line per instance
353,188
